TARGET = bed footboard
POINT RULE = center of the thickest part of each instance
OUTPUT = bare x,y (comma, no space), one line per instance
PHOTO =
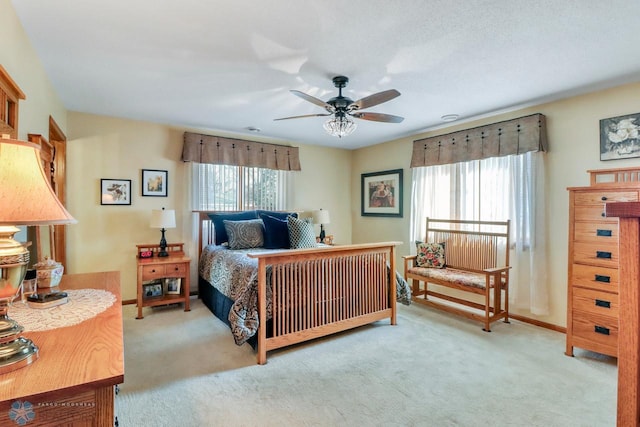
321,291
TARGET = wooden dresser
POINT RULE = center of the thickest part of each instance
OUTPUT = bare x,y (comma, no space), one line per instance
72,382
593,273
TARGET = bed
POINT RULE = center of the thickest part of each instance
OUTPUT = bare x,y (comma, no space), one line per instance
303,293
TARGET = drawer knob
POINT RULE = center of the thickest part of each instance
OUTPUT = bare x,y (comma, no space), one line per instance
176,268
153,271
604,233
603,279
601,330
602,254
603,214
601,303
604,198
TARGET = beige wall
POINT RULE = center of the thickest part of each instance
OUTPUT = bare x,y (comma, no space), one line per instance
20,60
573,131
105,237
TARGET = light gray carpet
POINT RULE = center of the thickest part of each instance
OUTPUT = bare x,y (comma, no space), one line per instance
432,369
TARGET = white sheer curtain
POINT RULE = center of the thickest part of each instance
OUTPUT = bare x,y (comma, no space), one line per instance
499,188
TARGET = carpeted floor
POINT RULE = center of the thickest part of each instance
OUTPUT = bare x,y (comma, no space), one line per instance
432,369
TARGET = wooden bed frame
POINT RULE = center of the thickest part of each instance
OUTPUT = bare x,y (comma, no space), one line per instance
320,291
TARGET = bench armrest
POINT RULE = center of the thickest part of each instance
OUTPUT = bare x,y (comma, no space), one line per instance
496,269
409,260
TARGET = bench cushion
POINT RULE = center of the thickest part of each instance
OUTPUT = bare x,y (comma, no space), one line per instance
460,277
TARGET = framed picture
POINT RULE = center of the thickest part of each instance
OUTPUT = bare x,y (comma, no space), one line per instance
115,191
620,137
173,285
152,289
154,183
382,193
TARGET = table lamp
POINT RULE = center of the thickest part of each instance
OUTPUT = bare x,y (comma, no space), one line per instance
321,217
163,219
27,199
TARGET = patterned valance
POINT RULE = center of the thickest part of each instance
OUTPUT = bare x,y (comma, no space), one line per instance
515,136
238,152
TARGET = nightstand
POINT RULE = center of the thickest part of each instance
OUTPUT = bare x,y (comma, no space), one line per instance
153,289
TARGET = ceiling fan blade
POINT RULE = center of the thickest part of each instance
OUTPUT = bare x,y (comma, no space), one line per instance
306,115
313,100
377,117
375,99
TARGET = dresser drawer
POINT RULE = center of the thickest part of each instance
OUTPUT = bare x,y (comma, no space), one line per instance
595,277
600,254
595,197
600,232
163,270
595,328
593,213
597,302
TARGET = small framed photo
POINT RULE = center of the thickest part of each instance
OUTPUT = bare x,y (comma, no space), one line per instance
173,285
115,191
620,137
382,193
152,289
154,183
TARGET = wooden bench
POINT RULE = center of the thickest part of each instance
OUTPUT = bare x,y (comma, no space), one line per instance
477,258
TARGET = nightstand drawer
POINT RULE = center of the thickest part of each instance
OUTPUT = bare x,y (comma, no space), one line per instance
175,270
163,270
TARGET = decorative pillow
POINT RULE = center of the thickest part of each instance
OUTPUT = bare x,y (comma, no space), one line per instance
276,214
301,233
218,223
430,255
245,234
276,232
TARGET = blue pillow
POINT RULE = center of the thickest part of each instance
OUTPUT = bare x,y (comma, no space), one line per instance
276,232
276,214
218,224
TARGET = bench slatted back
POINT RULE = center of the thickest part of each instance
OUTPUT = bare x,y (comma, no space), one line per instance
471,245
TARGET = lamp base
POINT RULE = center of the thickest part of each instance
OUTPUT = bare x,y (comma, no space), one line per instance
322,235
163,245
15,351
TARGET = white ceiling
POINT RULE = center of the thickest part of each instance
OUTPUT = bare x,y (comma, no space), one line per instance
224,66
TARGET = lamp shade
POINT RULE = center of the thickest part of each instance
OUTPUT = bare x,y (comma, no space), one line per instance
321,217
26,195
163,218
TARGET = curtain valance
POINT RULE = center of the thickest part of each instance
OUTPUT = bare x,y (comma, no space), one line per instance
514,136
238,152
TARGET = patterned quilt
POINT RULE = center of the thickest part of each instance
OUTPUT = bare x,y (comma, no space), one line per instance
235,275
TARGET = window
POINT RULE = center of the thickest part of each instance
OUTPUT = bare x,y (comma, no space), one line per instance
230,188
498,188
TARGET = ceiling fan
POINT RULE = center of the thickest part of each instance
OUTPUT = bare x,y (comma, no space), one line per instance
342,107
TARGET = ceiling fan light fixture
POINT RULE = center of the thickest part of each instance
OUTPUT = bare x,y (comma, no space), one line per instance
340,126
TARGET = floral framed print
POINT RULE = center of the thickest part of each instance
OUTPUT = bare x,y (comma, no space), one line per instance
154,183
620,137
382,193
115,191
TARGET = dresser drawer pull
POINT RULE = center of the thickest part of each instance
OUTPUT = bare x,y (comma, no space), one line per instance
601,330
176,268
602,254
603,214
153,271
603,279
604,233
602,303
603,198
